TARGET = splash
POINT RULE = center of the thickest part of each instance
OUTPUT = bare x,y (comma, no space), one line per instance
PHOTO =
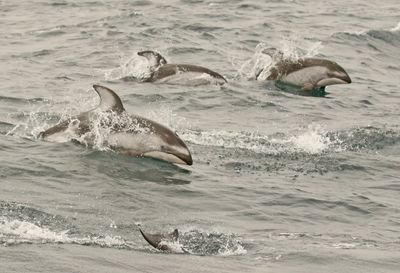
265,57
212,243
41,117
396,28
252,67
14,232
313,140
293,48
199,242
22,230
135,68
163,114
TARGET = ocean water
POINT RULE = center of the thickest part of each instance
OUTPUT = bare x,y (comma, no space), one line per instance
280,182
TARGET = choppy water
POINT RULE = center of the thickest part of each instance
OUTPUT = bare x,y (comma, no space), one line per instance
280,182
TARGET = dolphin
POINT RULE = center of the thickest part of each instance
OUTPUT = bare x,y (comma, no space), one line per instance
306,73
162,71
160,241
126,134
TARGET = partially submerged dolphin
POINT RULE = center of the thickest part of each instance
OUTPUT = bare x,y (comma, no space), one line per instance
305,73
162,241
127,134
161,71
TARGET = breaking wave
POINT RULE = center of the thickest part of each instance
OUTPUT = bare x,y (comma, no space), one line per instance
387,35
313,140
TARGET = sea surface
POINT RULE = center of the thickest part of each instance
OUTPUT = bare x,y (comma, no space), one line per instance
280,182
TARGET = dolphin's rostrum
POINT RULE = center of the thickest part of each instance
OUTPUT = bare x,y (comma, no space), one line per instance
127,134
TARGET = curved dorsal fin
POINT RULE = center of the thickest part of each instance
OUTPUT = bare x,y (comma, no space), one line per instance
156,239
153,239
109,100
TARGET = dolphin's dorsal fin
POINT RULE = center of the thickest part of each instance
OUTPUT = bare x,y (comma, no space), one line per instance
156,239
109,100
175,234
152,239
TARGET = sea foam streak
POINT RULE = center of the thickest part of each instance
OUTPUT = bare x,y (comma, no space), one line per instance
18,232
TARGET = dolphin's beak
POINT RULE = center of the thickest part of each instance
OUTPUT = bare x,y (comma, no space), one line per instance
187,159
343,76
185,155
177,156
335,78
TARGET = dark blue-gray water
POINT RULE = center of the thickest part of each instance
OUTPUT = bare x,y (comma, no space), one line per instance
280,182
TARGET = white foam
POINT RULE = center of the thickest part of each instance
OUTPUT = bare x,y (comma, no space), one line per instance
233,251
396,28
16,231
136,67
28,231
353,32
258,62
173,246
313,140
344,245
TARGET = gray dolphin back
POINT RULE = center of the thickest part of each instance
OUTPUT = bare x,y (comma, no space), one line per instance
162,69
172,69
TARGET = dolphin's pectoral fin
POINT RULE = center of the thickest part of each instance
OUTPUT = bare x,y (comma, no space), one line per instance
109,100
308,86
62,126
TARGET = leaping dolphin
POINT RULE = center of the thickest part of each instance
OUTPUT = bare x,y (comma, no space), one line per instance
162,71
306,73
127,134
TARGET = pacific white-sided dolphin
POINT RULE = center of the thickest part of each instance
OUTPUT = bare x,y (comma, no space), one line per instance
305,73
162,241
162,71
126,134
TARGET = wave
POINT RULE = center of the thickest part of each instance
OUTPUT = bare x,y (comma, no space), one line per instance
15,232
391,36
396,28
311,141
314,140
20,224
